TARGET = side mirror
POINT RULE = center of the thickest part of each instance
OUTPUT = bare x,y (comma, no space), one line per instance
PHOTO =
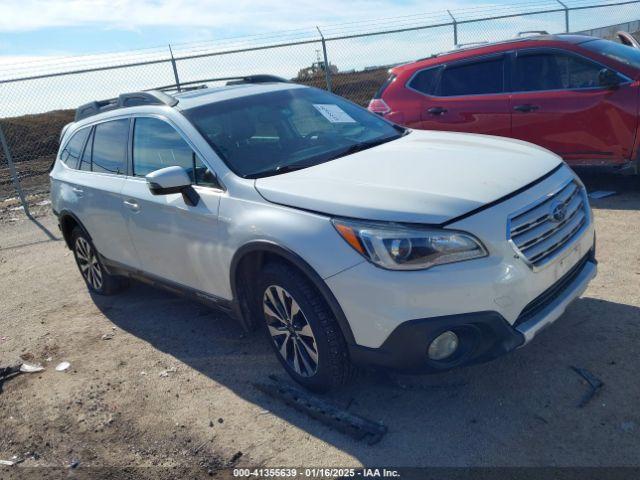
172,180
608,78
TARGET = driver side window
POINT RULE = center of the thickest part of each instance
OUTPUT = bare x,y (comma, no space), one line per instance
156,145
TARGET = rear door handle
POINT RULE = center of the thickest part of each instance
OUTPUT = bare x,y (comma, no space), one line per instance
437,110
132,204
527,107
78,191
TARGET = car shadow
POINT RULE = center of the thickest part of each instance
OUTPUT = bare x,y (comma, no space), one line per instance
520,409
626,188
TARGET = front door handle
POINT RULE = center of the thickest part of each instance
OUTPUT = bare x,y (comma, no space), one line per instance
78,191
437,110
132,204
527,107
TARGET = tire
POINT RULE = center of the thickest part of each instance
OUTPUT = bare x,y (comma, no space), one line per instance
302,330
95,275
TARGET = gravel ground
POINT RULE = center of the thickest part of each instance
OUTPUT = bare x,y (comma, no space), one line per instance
159,381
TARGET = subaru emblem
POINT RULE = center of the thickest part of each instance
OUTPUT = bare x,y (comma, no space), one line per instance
557,212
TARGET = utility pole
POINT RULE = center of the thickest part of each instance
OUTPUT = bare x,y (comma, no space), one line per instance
13,173
566,16
327,73
175,69
455,28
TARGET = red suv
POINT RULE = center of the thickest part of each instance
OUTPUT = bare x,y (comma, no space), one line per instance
575,95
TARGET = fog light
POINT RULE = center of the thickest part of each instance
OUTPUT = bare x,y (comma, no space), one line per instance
443,346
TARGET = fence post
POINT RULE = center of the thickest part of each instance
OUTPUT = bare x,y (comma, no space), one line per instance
327,70
12,172
455,28
566,16
175,68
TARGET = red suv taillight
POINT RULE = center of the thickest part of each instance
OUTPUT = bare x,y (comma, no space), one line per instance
377,105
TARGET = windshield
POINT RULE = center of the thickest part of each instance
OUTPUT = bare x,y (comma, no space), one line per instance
275,132
615,51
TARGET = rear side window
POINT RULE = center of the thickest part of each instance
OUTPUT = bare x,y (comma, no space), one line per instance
554,71
156,145
110,146
476,78
72,151
424,81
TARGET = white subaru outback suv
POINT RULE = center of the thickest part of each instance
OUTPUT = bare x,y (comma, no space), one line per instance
348,239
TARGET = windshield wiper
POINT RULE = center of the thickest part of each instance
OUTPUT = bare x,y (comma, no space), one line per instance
358,147
292,167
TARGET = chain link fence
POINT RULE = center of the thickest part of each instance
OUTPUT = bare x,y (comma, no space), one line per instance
352,60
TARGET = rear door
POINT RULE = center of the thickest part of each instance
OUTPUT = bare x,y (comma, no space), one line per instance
470,96
176,242
98,184
558,104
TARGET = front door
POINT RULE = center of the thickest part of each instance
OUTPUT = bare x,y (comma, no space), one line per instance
558,104
175,242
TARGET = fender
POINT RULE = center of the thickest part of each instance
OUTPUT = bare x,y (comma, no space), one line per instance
268,246
67,213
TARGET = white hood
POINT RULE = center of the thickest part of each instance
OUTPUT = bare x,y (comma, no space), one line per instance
424,177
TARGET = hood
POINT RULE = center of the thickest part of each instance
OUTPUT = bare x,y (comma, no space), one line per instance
424,177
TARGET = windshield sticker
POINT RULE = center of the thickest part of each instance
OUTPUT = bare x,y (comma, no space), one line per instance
333,113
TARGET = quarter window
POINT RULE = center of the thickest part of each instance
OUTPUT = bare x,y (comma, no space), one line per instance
156,145
85,161
554,71
424,81
110,146
73,149
476,78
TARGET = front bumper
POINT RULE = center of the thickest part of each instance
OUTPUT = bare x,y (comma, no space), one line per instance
483,335
499,299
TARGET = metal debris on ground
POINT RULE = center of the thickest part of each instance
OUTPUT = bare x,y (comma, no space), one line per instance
595,384
62,366
598,194
165,373
31,367
14,461
353,425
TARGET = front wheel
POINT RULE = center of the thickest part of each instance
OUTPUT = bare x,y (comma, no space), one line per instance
302,330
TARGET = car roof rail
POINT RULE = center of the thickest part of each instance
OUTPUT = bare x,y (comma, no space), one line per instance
260,78
456,48
151,97
530,33
460,46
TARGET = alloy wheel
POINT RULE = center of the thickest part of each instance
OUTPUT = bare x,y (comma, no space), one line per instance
290,331
88,263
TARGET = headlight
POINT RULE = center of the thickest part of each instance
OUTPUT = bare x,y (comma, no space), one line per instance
399,247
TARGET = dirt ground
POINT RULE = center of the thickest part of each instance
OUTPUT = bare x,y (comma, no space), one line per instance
162,387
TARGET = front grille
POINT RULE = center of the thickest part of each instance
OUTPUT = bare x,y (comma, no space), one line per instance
543,230
550,294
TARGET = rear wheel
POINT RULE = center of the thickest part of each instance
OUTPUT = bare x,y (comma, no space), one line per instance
302,330
96,277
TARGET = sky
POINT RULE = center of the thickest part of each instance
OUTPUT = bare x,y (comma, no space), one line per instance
31,28
44,36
